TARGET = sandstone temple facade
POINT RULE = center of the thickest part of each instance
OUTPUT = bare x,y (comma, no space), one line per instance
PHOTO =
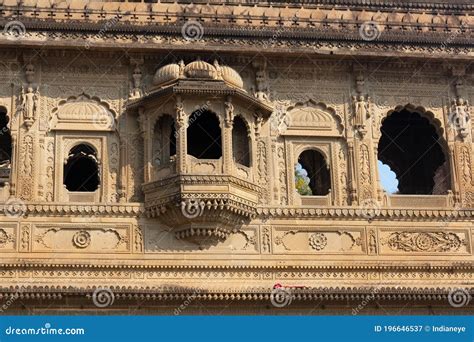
195,157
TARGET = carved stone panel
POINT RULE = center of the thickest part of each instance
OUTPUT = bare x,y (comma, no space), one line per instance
426,241
321,240
160,239
8,237
81,238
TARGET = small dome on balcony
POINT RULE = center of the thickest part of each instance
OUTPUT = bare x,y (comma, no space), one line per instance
231,76
166,74
197,70
200,69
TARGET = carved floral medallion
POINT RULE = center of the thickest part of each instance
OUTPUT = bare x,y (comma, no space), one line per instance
318,241
81,239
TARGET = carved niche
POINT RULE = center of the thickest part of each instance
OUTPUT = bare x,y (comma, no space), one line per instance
310,118
83,113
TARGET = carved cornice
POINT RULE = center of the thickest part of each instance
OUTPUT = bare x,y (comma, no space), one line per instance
237,44
137,209
202,180
203,87
340,4
354,212
184,265
385,293
83,209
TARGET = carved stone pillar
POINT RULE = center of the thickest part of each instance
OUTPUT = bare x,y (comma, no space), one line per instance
181,139
454,174
144,130
352,173
14,165
379,189
464,165
363,152
227,137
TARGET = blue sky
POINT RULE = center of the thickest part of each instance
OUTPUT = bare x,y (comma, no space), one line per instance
387,178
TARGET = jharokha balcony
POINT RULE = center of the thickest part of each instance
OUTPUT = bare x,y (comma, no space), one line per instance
199,127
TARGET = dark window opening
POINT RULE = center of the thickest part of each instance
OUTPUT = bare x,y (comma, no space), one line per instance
164,141
5,140
312,174
240,142
5,148
411,147
204,135
81,172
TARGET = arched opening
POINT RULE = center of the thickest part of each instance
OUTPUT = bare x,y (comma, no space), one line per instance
412,149
204,135
5,147
81,172
5,139
312,177
164,141
240,142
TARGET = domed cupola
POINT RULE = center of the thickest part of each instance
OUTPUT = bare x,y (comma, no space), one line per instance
231,76
167,74
200,69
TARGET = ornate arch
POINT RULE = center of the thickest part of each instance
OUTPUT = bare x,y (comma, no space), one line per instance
429,115
320,149
400,167
157,117
247,124
204,109
70,144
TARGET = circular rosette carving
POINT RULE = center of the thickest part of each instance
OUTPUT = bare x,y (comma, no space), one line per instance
81,239
318,241
424,242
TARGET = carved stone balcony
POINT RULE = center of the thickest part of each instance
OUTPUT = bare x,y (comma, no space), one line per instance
200,128
204,209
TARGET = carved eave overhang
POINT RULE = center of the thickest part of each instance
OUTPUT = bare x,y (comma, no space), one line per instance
311,27
202,87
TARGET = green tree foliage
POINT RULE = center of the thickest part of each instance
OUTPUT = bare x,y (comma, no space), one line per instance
302,183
